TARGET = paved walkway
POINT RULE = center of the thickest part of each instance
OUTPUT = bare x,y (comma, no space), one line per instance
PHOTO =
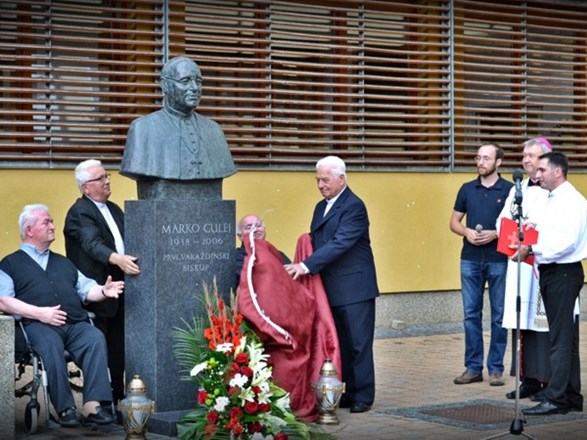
416,398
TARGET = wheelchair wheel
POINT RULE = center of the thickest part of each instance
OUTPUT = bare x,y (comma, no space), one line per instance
31,416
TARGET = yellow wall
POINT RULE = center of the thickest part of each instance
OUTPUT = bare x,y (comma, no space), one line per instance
409,212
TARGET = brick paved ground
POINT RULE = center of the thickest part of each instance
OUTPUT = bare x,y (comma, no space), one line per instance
415,372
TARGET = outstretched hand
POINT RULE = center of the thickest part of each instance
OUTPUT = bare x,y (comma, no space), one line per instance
112,289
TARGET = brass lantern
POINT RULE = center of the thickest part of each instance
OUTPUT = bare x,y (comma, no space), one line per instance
136,409
328,391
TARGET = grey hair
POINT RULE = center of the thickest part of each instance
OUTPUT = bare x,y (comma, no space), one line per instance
239,225
81,171
334,162
28,218
546,148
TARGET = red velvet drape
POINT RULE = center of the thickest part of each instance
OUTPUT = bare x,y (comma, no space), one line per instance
292,319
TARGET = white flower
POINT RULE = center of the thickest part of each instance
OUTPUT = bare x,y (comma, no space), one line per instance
221,403
283,402
259,436
239,380
225,347
198,369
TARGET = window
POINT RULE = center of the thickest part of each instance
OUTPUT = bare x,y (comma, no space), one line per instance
387,85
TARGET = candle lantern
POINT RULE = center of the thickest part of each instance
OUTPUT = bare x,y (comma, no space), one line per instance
328,391
136,409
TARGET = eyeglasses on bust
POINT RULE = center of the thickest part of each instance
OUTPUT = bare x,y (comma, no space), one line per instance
184,82
101,178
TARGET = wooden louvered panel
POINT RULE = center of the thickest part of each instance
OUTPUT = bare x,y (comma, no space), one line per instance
385,84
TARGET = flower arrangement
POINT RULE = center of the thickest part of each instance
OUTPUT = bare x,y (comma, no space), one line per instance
237,397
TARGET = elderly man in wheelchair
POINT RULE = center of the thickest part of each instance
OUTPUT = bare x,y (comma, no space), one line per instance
48,292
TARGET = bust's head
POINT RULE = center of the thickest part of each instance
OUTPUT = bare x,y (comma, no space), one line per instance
181,83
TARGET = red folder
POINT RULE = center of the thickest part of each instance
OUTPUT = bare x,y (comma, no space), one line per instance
508,236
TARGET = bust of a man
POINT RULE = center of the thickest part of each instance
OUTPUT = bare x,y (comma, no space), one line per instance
176,143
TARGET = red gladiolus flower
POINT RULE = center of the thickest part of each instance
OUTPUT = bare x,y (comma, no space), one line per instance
242,359
212,417
238,430
280,436
202,396
209,430
251,407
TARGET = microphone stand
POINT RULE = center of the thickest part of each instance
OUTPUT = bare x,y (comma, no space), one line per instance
517,426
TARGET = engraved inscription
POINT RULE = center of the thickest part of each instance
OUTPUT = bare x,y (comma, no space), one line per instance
192,246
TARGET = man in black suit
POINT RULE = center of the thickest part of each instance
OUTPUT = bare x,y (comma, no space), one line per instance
94,231
344,259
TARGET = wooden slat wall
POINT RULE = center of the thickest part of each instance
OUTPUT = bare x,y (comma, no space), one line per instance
74,75
520,72
291,81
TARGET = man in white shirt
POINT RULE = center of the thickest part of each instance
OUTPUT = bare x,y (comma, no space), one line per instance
562,244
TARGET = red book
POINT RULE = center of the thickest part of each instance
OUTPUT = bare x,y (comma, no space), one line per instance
508,236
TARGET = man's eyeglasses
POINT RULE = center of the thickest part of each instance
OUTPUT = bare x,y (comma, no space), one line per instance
184,82
100,179
250,226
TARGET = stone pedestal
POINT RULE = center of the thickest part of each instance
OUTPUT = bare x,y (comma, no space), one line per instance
181,244
6,377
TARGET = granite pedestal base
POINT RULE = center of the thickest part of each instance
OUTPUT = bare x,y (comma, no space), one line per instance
181,245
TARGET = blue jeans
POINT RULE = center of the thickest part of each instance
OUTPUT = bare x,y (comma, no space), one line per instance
474,275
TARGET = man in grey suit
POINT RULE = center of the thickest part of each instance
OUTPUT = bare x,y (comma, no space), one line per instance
344,259
94,232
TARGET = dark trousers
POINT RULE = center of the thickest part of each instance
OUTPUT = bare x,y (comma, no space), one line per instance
87,347
355,325
560,285
113,329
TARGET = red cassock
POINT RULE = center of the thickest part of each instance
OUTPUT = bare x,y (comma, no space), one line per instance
292,319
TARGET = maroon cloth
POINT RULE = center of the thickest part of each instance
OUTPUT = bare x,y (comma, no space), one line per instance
290,336
324,336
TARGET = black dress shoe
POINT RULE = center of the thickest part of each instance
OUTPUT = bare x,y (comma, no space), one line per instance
525,391
544,408
576,407
68,418
100,417
360,407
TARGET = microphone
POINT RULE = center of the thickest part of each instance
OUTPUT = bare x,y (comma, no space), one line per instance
518,176
479,228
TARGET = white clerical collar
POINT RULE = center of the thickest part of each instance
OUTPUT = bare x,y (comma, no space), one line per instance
100,205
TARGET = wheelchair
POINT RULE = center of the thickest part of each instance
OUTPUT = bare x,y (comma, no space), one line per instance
25,357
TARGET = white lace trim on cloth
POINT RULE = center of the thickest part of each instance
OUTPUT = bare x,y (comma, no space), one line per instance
261,312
